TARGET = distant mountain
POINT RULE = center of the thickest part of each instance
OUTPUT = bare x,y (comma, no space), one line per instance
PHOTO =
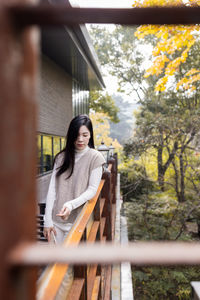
123,130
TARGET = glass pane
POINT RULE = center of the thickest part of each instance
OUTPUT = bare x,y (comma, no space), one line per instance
86,103
78,100
47,153
74,98
62,143
82,102
87,97
39,154
56,145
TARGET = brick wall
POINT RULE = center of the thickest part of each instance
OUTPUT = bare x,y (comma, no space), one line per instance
55,99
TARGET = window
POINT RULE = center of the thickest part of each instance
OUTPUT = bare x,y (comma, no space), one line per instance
47,153
48,147
56,145
39,146
80,99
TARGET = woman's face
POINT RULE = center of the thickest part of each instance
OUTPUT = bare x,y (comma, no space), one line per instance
83,138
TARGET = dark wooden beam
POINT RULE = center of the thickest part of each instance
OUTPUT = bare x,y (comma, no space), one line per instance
47,15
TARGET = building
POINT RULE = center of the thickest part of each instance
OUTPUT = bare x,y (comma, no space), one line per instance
69,69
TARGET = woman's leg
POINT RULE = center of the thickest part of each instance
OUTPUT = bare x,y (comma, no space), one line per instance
67,230
59,235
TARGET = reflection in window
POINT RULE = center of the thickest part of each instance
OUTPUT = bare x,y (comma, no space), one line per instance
56,145
47,153
80,99
39,151
62,143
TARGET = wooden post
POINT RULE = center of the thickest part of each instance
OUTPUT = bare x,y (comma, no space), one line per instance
81,272
97,218
18,61
106,193
113,179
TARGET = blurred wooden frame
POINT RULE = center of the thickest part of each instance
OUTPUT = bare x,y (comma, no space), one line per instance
18,75
48,15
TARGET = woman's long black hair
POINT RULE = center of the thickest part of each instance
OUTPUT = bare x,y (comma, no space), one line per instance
72,134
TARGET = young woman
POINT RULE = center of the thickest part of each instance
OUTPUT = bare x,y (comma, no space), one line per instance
75,179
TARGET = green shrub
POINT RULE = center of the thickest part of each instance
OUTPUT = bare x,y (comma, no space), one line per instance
158,216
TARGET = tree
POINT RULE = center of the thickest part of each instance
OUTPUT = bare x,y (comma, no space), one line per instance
101,102
118,52
101,128
168,121
172,48
124,60
170,130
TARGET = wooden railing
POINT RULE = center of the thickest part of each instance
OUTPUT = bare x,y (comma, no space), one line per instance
94,224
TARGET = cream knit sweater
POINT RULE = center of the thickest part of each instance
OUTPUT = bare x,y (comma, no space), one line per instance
73,204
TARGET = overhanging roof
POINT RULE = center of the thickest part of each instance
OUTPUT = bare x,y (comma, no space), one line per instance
72,49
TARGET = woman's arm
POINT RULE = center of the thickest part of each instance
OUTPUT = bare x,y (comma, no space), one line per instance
90,192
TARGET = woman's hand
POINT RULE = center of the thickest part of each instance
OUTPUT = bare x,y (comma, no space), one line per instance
47,232
64,213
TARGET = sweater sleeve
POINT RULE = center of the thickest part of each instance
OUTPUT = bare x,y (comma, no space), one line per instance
51,196
90,192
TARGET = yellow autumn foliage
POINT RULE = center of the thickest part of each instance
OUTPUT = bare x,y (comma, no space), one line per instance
148,3
158,65
160,85
101,129
171,39
187,82
192,71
